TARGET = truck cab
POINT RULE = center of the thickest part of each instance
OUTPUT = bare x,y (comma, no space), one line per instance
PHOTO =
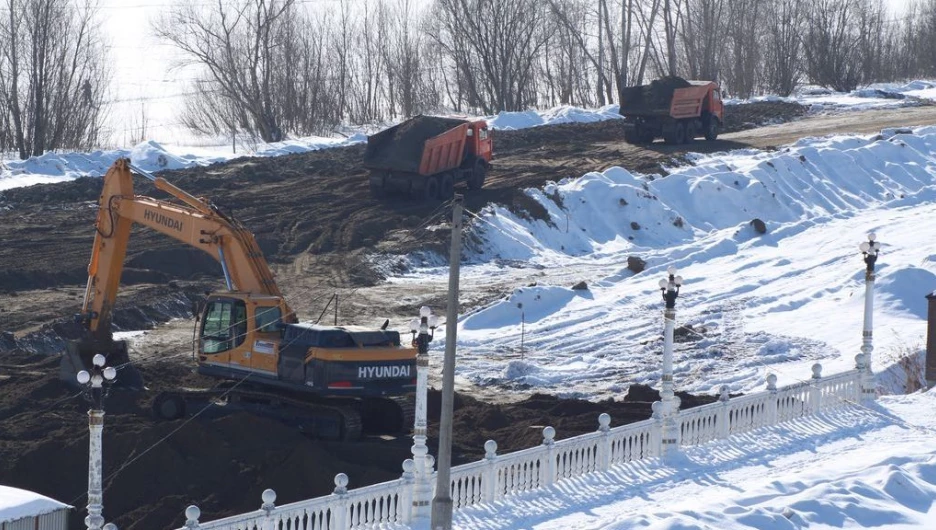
480,143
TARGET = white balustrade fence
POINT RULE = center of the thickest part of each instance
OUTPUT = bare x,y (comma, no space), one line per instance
499,476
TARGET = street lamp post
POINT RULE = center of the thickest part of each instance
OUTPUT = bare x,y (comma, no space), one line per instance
94,391
869,250
669,288
422,494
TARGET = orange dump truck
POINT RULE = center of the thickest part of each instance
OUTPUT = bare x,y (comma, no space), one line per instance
426,156
672,108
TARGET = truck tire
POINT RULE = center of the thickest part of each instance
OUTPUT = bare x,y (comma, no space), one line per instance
690,132
646,135
676,134
376,188
430,189
476,180
447,186
711,130
632,136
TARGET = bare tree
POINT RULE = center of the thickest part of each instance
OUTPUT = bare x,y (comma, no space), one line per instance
783,45
742,34
671,19
703,35
239,45
52,77
494,45
839,42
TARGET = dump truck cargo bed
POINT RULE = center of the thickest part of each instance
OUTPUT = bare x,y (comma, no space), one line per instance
423,145
652,99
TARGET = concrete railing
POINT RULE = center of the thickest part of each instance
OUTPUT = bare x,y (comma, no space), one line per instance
498,476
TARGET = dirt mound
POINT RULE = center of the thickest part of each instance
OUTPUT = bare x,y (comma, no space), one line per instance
654,96
400,148
750,115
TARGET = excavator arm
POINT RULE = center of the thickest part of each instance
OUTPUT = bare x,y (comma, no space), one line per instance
195,222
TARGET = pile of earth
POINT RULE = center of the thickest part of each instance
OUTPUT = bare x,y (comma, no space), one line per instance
656,95
222,460
400,147
745,116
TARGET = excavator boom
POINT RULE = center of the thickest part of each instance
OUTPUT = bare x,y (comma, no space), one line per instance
196,222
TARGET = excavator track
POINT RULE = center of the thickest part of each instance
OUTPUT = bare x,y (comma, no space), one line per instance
326,420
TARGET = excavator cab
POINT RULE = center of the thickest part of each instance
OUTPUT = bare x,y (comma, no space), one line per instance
240,332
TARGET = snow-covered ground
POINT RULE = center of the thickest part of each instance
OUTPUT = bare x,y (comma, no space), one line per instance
871,467
751,303
875,96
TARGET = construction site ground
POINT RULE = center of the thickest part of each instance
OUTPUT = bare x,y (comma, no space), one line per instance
323,233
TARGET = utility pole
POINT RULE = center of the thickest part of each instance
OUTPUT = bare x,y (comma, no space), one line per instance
869,249
670,289
442,503
422,493
94,391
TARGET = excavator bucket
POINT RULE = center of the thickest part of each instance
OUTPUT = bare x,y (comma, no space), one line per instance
78,355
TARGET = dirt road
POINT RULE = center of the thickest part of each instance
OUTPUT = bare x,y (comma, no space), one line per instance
315,220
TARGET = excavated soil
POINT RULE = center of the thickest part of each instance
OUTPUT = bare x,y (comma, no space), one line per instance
315,220
400,148
656,95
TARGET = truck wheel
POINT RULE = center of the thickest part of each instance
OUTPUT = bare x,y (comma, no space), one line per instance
690,132
680,133
447,187
476,180
646,135
376,189
711,132
632,136
676,134
430,188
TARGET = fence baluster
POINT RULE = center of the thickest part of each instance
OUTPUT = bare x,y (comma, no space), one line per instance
340,508
772,413
269,497
548,467
815,397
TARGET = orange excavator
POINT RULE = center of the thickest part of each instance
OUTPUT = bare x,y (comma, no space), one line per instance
340,380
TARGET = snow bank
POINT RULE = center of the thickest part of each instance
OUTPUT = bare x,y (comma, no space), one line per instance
149,155
554,116
756,303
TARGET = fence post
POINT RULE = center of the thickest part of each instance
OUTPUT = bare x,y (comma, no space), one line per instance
773,415
604,444
549,470
269,497
815,390
489,475
405,510
339,510
192,513
723,422
656,442
865,379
